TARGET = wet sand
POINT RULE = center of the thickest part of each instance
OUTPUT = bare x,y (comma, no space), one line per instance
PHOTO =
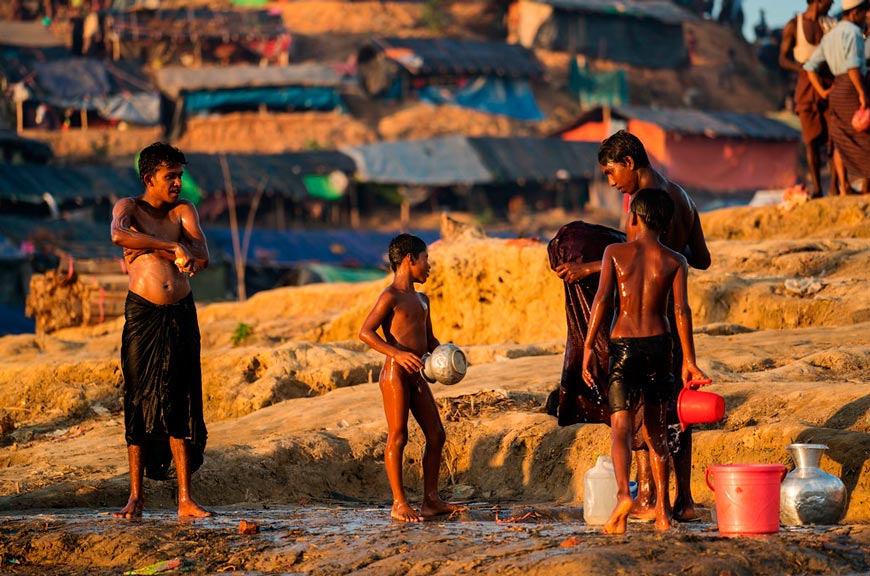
487,539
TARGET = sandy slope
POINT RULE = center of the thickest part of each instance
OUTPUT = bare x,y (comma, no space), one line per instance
293,414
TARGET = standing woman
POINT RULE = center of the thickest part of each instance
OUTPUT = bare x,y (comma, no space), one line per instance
843,50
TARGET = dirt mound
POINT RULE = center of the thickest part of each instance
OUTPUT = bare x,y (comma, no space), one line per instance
830,217
273,133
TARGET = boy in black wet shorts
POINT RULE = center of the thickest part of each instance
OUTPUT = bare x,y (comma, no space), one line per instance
644,272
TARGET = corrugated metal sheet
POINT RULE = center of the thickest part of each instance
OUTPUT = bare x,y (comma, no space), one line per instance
537,159
32,151
462,57
661,10
711,123
173,80
28,183
276,173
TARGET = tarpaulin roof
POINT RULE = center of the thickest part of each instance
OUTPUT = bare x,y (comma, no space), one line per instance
364,248
432,162
452,160
28,183
537,159
78,239
89,84
282,174
699,122
173,80
458,56
32,151
661,10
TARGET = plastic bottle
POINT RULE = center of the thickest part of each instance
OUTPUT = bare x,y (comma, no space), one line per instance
599,491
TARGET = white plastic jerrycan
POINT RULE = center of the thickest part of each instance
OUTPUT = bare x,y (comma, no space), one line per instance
599,491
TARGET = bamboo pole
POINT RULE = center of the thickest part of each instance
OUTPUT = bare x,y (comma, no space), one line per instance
238,258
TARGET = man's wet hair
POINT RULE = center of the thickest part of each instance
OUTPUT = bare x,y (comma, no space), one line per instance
156,155
655,207
401,246
620,146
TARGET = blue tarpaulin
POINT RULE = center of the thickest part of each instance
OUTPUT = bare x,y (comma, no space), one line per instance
512,98
318,98
350,248
88,84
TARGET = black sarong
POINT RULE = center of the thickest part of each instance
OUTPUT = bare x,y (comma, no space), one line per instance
160,351
582,242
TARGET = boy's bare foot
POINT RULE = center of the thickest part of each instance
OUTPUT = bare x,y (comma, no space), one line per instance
439,508
618,520
684,513
133,509
663,523
402,511
642,512
190,509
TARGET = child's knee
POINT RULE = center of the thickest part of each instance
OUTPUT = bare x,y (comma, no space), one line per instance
436,437
397,438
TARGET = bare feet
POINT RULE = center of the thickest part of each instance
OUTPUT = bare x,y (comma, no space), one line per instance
618,520
684,513
190,509
663,522
439,507
642,511
402,511
133,509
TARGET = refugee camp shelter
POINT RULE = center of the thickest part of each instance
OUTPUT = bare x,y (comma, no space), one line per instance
492,77
217,89
477,173
84,92
281,190
643,33
15,149
724,153
192,36
52,191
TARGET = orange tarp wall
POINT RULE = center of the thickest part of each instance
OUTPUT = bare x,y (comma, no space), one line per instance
714,164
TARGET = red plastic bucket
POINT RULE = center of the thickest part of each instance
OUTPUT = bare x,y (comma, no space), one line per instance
697,406
747,497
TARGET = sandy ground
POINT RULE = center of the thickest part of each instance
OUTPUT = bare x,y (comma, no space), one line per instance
296,429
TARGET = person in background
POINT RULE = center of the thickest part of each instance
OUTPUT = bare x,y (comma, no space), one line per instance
800,38
842,49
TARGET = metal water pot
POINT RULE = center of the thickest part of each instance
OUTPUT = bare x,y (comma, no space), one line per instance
446,364
808,494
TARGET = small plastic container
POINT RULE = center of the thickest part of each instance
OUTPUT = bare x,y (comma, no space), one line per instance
599,491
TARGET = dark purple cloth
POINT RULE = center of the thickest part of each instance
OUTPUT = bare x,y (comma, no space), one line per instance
582,242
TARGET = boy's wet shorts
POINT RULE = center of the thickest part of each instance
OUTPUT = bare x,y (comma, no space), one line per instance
640,365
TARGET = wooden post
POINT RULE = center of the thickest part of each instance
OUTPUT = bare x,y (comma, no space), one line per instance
19,116
238,257
84,116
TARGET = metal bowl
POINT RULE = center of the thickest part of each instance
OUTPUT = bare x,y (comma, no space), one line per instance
446,365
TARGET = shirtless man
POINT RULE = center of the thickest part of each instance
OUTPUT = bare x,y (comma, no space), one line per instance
646,273
402,314
163,246
624,161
